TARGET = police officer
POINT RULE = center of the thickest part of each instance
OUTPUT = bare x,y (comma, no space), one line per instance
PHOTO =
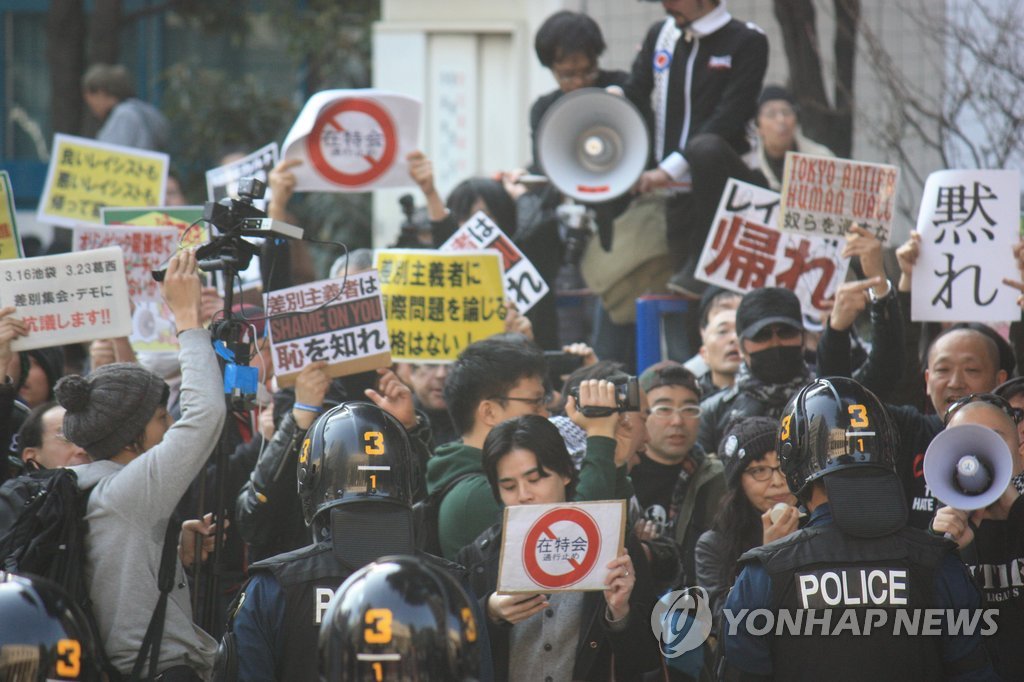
854,562
43,634
355,489
370,625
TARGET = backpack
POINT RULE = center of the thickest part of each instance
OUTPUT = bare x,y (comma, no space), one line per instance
425,516
47,538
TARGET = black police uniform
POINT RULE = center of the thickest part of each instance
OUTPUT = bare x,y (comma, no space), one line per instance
907,559
308,578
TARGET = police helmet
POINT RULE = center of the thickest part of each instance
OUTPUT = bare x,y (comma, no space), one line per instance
43,633
834,424
354,452
400,618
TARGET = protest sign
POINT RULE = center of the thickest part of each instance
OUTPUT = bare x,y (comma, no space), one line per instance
340,321
10,242
969,222
180,217
68,298
437,303
222,181
523,283
144,249
561,547
84,176
744,252
353,140
822,196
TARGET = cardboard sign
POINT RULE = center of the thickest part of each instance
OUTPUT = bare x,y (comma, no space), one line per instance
337,320
222,181
438,303
70,298
744,252
353,140
85,176
144,250
523,284
969,223
562,547
822,196
10,242
184,218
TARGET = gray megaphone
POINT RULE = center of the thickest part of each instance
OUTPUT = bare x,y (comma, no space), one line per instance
968,467
593,145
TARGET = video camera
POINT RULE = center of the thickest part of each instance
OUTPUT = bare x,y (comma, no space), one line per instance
231,253
627,399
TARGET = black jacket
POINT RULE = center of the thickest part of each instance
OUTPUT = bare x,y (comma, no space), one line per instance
722,99
883,368
267,509
632,651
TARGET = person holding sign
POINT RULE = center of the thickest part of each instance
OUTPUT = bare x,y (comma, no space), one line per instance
565,635
492,381
142,465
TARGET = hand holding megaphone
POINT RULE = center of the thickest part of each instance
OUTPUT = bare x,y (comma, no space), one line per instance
969,468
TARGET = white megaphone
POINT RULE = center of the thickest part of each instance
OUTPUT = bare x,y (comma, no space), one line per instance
968,467
593,145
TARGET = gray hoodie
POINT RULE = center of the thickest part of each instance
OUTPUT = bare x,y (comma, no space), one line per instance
134,123
128,513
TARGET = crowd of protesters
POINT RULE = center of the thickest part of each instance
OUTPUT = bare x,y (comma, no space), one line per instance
696,462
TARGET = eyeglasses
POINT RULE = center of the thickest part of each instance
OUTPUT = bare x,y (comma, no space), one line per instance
666,411
763,473
575,76
535,402
783,332
1014,413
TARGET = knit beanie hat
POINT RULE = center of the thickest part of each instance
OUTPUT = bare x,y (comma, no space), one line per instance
775,92
746,440
110,408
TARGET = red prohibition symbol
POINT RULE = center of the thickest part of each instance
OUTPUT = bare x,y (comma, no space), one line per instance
580,569
328,118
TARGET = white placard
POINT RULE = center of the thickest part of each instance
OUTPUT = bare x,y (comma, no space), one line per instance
823,196
523,284
145,249
744,251
222,181
353,140
69,298
340,321
969,222
563,547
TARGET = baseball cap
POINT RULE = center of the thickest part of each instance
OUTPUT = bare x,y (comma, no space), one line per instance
763,307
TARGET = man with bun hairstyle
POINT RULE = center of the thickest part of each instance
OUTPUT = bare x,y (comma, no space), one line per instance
141,467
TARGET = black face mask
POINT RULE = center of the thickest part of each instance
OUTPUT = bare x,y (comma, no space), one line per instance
778,364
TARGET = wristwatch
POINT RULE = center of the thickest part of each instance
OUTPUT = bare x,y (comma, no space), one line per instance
887,294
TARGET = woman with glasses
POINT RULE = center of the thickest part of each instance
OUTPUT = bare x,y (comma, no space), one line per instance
756,509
